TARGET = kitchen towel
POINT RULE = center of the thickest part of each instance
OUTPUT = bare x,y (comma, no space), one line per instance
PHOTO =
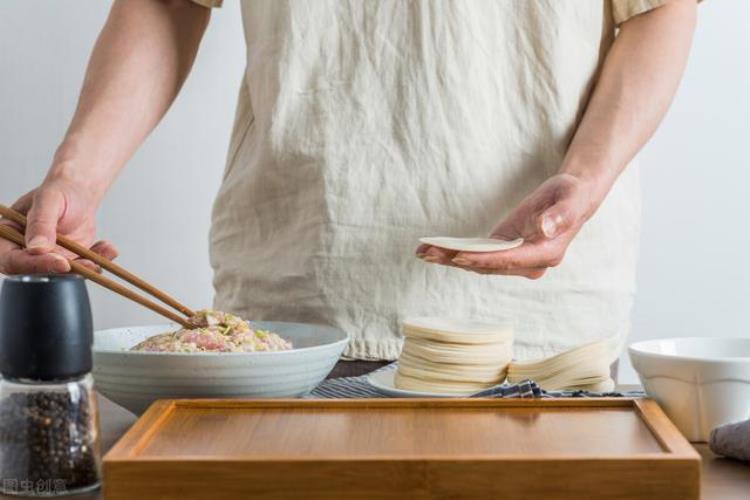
731,440
359,387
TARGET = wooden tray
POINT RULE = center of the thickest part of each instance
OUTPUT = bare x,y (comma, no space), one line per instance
397,448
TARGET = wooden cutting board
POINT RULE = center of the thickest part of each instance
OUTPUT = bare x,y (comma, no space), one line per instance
398,448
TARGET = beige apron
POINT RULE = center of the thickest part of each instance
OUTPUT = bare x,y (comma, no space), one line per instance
363,125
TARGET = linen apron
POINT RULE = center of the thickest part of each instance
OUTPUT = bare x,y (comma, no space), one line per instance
364,125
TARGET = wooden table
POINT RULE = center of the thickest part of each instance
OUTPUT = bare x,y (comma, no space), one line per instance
721,478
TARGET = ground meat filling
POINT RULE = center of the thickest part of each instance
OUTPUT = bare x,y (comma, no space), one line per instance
215,331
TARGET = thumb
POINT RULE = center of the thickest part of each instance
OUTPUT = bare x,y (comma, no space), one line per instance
41,227
555,220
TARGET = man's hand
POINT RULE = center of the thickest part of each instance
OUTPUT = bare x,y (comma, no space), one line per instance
548,220
142,57
57,206
637,83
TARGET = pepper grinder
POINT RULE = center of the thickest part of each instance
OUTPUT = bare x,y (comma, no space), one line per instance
49,428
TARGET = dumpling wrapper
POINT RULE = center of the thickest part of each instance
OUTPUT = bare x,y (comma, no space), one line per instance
456,331
480,245
408,383
426,370
463,354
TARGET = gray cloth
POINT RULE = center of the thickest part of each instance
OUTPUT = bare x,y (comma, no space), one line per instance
731,440
355,368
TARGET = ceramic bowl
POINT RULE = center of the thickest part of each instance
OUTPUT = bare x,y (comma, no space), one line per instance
136,379
701,383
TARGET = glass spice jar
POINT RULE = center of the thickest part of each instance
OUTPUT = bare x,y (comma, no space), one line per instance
49,432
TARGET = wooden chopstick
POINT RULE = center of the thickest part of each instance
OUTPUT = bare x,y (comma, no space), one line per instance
107,264
16,237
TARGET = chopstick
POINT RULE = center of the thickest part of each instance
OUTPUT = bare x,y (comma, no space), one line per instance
16,237
107,264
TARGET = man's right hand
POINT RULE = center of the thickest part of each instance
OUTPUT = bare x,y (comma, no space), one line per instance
57,206
141,58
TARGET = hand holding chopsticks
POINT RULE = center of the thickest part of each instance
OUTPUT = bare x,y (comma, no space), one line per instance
11,234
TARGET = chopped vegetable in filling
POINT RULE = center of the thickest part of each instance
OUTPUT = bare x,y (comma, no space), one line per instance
215,331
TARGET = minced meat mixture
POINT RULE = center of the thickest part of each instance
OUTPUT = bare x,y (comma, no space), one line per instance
215,331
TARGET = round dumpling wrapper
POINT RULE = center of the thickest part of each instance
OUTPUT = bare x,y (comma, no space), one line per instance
408,383
479,245
464,354
456,331
436,372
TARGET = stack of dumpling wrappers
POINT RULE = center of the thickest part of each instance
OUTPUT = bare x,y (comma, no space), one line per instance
585,368
463,357
450,356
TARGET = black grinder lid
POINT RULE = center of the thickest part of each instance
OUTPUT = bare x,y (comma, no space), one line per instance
46,330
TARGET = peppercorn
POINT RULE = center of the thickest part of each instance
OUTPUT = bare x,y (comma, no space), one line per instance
48,436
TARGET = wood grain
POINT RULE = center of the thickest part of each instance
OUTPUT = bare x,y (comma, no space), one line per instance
389,448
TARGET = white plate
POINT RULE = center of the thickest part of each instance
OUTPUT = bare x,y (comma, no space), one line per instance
471,244
136,379
383,381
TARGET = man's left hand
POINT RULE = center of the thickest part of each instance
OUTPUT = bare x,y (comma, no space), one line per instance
548,219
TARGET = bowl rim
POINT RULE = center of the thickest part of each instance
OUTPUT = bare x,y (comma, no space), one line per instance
637,348
203,354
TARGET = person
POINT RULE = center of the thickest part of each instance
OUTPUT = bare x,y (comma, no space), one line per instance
362,126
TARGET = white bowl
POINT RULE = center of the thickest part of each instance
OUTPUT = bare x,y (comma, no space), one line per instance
701,383
136,379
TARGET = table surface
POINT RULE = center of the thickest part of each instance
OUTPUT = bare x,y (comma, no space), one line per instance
720,478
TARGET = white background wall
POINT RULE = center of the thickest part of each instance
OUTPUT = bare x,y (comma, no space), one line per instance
694,275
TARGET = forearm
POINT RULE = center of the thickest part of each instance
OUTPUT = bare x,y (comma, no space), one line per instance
637,83
137,67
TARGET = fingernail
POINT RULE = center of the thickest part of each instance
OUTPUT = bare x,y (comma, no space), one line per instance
461,261
421,255
430,258
549,227
38,242
60,266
